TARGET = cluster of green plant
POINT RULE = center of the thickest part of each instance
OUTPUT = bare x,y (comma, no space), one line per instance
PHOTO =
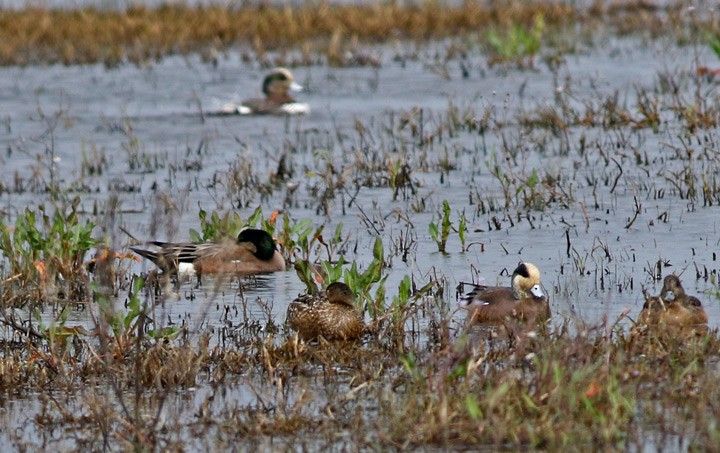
441,234
518,45
45,251
214,226
359,281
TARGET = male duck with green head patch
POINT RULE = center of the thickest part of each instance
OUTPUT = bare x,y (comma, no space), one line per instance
253,252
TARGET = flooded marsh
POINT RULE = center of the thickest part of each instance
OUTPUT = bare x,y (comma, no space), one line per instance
422,167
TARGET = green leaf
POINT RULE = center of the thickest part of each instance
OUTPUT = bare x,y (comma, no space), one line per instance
337,237
472,407
195,236
167,333
378,251
532,182
305,274
333,271
434,231
714,43
255,217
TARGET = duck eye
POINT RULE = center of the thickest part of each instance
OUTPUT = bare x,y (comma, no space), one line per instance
282,77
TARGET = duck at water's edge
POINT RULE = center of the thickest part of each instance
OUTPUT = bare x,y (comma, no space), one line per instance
330,314
673,307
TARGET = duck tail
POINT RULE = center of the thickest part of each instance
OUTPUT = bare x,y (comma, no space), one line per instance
148,254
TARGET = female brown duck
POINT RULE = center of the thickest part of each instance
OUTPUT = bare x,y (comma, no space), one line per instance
673,307
330,314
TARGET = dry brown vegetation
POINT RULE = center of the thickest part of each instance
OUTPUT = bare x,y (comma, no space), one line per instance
128,379
141,34
598,388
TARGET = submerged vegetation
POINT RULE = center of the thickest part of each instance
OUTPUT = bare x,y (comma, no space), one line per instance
95,343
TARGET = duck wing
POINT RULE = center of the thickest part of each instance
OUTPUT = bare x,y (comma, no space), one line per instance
487,295
178,252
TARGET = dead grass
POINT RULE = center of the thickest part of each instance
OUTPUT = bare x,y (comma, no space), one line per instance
141,35
413,381
600,388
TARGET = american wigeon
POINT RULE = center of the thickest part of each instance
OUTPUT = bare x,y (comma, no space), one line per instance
673,307
277,101
524,301
253,252
330,314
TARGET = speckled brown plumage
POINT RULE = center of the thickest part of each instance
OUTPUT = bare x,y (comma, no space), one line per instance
330,314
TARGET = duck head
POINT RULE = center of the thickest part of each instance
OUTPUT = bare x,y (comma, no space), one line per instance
278,83
259,242
526,281
340,293
672,288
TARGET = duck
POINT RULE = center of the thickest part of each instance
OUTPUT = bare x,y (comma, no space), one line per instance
525,300
277,101
673,307
330,314
253,252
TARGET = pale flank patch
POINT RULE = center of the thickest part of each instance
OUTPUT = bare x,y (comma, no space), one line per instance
234,109
295,108
243,110
186,269
472,303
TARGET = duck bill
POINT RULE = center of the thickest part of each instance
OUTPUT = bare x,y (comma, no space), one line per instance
296,87
538,292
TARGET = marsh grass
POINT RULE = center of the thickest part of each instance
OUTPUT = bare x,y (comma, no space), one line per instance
517,46
45,254
141,35
599,387
402,386
418,378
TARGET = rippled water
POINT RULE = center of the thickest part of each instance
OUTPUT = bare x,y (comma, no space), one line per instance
160,106
157,111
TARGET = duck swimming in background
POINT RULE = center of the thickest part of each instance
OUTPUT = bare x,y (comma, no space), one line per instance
253,252
277,101
330,314
524,301
673,307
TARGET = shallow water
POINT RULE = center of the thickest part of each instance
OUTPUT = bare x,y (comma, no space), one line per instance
153,114
159,106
